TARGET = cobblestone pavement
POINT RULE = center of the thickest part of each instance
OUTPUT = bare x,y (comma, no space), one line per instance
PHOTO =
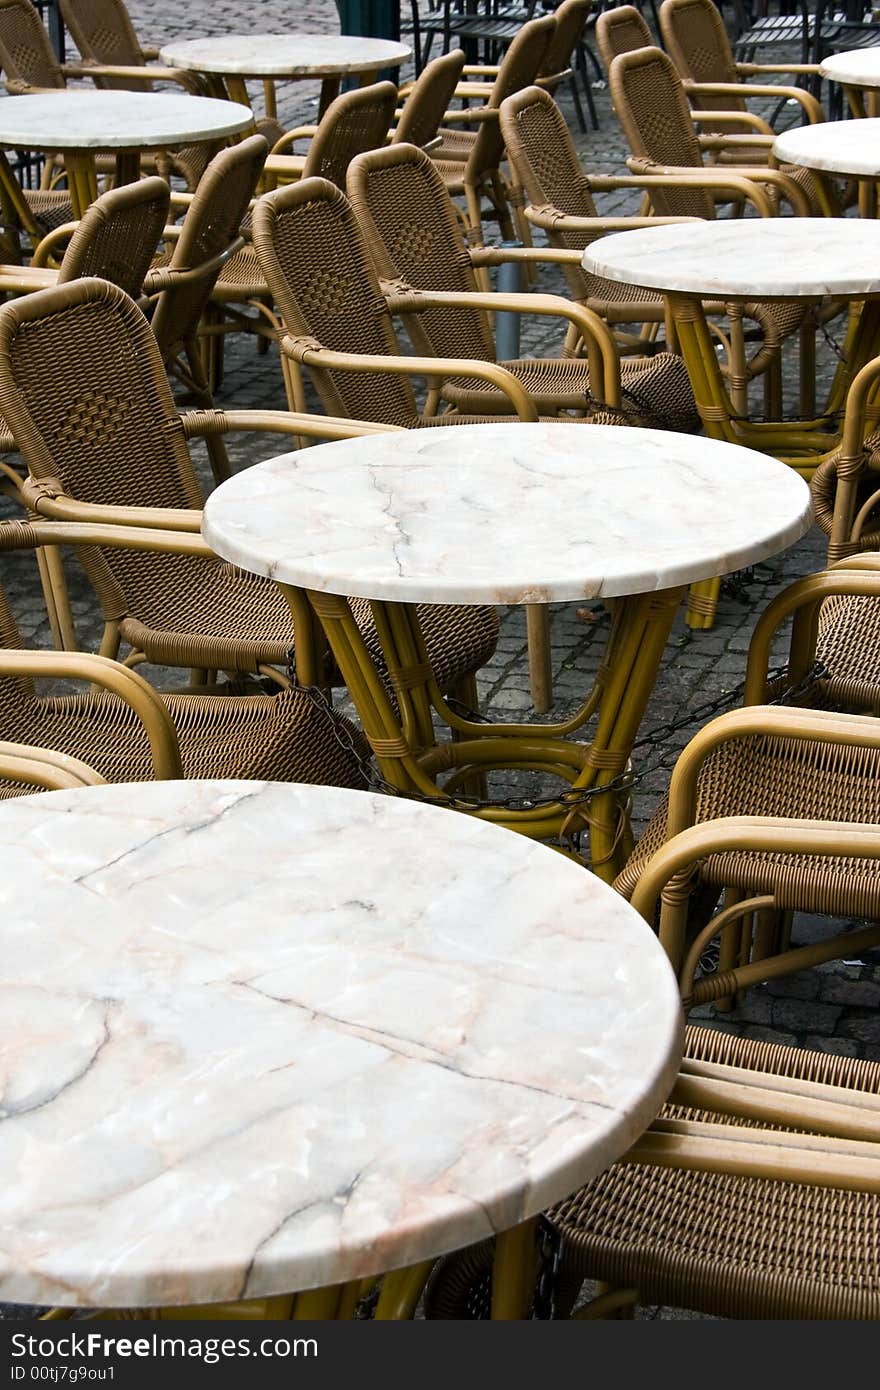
833,1008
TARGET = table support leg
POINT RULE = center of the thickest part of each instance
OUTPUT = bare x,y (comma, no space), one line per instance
401,1291
329,92
82,181
513,1273
540,668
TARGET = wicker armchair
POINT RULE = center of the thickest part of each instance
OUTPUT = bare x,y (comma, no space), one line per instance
755,1194
123,730
800,763
696,40
398,190
209,240
470,160
355,121
845,487
426,100
84,390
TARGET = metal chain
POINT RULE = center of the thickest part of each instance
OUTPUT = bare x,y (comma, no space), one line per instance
345,735
549,1242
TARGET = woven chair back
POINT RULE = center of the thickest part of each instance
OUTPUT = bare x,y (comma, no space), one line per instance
571,18
211,233
696,41
519,67
355,121
409,224
103,32
622,30
26,54
651,106
429,99
542,153
316,263
117,236
85,393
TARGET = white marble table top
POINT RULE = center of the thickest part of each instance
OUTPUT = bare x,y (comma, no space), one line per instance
264,1037
284,55
747,258
857,67
117,120
841,147
507,513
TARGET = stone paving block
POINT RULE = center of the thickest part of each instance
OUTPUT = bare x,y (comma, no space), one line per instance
805,1016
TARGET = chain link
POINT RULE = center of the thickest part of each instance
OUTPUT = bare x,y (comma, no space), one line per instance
660,735
549,1243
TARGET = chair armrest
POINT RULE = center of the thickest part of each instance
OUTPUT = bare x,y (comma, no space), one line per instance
300,132
22,279
808,725
646,174
788,188
149,52
199,424
757,123
312,354
552,220
472,113
189,80
46,497
798,69
802,601
44,767
812,109
602,349
112,676
745,141
474,89
475,69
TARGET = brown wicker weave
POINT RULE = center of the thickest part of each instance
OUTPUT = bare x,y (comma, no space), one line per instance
410,226
283,737
731,1246
621,30
696,40
429,98
99,426
470,161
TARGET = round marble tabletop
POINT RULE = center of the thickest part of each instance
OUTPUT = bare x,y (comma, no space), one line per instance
747,258
117,120
284,55
840,147
261,1037
507,513
857,67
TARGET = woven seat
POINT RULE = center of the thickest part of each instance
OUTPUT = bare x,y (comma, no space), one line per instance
104,431
283,737
723,1244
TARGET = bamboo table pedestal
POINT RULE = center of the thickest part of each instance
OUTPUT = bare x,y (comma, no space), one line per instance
504,514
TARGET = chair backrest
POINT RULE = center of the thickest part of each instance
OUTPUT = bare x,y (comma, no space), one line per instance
651,106
26,55
542,153
103,32
355,121
313,256
571,18
622,30
117,236
519,68
411,229
85,393
210,234
429,99
696,41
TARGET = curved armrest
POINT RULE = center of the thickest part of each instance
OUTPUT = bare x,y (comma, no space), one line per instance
768,833
46,768
757,123
809,725
552,220
300,132
788,188
199,424
472,113
799,69
802,599
711,180
312,354
594,331
56,505
143,76
147,704
812,109
745,141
